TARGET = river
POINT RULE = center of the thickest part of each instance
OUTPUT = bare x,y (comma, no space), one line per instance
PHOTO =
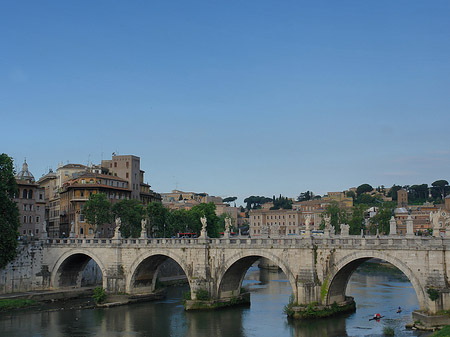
270,291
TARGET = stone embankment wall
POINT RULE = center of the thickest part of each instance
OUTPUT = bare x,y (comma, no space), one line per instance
25,273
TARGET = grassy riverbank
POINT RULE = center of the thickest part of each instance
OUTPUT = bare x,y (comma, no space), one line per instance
12,304
445,332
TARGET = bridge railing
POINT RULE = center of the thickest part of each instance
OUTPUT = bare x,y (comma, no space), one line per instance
351,240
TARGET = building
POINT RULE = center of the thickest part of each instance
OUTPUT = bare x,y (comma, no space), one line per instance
76,192
274,222
31,203
49,183
402,198
128,167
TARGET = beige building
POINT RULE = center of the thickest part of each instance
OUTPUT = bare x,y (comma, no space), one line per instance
76,192
49,183
275,222
402,198
128,167
31,203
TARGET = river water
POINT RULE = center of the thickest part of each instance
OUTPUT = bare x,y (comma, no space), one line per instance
270,291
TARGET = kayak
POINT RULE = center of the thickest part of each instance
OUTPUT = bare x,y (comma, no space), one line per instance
375,318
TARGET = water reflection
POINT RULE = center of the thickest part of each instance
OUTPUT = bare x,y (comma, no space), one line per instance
270,291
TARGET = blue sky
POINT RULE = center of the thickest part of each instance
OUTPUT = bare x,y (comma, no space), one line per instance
231,97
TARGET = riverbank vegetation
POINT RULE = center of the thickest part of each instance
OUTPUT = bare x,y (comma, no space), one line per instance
314,310
444,332
11,304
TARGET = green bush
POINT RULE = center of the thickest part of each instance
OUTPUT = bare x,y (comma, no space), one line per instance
202,295
445,332
433,294
99,295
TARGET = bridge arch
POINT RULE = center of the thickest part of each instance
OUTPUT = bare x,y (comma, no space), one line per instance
68,269
143,272
232,273
338,279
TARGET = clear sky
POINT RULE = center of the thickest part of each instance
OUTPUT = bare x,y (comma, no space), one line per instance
231,97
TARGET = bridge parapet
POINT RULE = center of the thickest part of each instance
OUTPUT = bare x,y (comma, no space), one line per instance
355,241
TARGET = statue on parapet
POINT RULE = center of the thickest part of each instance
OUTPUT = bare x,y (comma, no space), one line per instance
143,228
434,221
117,228
308,222
227,224
204,222
345,230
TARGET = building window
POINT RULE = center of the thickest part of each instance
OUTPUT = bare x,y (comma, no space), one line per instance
115,164
128,164
82,194
30,194
24,219
37,231
24,207
127,175
37,208
40,196
31,219
37,219
24,194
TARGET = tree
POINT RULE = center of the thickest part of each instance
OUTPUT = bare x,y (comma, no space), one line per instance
97,210
178,221
305,196
9,212
337,213
351,194
229,199
157,216
356,220
382,218
130,212
364,188
365,199
281,202
440,186
393,192
255,202
209,211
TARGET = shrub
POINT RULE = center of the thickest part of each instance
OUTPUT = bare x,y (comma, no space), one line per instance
202,295
433,294
99,295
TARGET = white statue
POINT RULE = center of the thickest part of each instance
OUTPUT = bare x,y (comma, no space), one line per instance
117,228
143,223
204,223
345,229
227,224
434,221
307,222
327,220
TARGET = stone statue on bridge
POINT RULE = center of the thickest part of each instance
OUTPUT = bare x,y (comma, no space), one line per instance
327,228
143,228
204,222
227,227
434,221
345,230
117,228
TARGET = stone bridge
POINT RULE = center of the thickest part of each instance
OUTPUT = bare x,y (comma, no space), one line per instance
318,268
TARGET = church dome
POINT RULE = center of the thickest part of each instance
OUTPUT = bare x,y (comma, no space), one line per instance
25,174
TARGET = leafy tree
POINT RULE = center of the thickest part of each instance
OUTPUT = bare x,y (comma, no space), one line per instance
351,194
337,213
97,210
255,202
157,216
130,212
440,186
393,192
382,218
356,219
364,188
178,221
305,196
9,213
281,202
365,199
229,199
208,210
